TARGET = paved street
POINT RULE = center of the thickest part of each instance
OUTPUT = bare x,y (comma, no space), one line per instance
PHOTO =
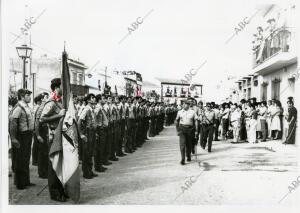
232,174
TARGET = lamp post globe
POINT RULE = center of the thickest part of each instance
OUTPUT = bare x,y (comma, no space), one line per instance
24,52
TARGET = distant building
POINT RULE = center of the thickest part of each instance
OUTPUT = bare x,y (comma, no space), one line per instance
43,70
151,91
128,83
173,91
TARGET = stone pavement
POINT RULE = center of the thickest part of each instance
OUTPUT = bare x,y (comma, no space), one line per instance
232,174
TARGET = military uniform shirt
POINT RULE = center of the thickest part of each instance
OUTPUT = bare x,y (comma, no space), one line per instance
186,117
26,122
208,117
131,112
88,116
122,111
51,108
100,117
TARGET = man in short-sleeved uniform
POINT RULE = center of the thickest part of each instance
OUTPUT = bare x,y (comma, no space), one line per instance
21,129
185,123
101,132
41,132
87,128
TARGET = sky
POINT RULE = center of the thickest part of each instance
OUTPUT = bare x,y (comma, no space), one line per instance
177,35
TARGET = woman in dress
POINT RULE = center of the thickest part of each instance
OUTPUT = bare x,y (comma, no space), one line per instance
252,126
248,115
291,118
275,120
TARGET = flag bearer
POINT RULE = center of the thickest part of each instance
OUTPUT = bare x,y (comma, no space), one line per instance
52,112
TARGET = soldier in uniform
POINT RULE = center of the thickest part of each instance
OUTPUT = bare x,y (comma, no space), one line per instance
86,124
194,107
121,139
207,119
35,148
168,112
130,114
41,132
145,120
106,131
135,126
21,129
115,117
107,109
151,112
185,123
163,116
139,125
51,114
101,135
156,109
200,111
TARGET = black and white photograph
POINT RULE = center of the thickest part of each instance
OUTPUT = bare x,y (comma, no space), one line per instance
136,103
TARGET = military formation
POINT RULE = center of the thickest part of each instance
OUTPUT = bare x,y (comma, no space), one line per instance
110,127
113,126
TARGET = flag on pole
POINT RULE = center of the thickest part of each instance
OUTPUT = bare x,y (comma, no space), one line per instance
64,156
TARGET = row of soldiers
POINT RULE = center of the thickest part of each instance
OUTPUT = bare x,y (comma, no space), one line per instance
111,126
108,127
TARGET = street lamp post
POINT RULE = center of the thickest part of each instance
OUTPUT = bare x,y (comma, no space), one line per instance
24,52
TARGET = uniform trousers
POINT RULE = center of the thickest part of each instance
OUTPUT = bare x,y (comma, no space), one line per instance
134,136
35,150
139,134
130,134
152,127
43,153
109,139
185,141
264,129
117,139
21,159
87,153
208,132
99,158
122,136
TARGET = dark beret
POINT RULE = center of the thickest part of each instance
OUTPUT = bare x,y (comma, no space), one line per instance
90,95
23,92
98,97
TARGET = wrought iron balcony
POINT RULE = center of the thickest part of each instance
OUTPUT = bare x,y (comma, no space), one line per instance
277,42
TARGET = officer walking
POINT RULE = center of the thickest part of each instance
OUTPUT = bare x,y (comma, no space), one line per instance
208,121
185,123
21,130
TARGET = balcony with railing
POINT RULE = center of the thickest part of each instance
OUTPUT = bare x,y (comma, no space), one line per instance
270,47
